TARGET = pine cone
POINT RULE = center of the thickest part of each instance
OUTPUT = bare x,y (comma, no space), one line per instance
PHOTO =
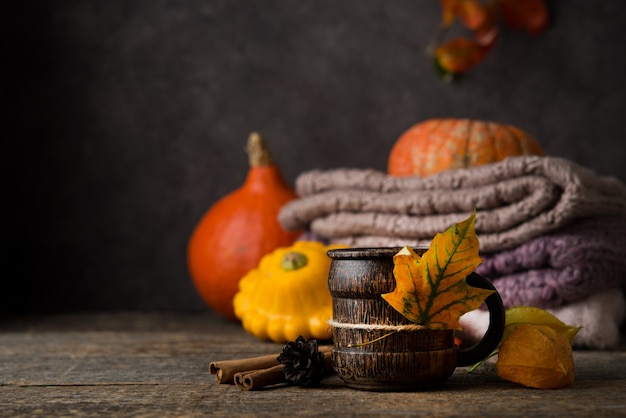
303,364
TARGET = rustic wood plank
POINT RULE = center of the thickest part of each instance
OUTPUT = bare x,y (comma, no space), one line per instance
157,365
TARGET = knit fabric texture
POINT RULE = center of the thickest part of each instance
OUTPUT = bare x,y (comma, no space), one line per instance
599,316
552,233
517,199
561,267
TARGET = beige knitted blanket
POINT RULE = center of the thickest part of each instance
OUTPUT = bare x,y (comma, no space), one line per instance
516,199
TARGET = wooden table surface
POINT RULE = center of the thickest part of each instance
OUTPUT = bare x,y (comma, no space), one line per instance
156,364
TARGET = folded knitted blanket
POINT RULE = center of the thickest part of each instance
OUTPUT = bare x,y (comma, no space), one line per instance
561,267
516,200
599,315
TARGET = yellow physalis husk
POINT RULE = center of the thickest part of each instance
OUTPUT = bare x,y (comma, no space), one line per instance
537,316
536,356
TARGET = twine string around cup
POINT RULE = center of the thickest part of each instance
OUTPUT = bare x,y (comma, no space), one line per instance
376,327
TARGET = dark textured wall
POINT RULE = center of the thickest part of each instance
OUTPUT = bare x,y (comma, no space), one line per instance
126,120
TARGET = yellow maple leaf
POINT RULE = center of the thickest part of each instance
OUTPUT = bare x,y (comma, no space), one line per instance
431,290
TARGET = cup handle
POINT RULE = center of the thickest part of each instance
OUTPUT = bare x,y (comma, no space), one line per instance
491,339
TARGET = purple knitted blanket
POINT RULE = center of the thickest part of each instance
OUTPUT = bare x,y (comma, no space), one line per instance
561,267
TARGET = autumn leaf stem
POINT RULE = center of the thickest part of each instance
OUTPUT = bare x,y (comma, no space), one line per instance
483,361
436,41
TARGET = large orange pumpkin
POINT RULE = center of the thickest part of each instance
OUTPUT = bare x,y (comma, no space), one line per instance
238,230
442,144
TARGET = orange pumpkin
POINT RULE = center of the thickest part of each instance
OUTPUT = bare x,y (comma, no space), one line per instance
238,230
442,144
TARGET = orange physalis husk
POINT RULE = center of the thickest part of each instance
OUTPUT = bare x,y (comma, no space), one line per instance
536,356
531,16
471,12
459,54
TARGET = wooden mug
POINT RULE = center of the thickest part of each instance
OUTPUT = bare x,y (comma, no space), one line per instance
366,355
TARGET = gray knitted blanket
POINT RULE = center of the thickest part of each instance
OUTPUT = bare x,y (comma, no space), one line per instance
516,200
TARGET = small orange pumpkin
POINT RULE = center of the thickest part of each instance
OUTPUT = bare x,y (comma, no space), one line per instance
442,144
238,230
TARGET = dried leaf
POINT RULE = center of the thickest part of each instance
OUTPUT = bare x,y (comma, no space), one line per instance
536,356
431,290
529,15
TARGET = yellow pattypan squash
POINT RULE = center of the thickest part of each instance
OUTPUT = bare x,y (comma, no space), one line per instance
287,295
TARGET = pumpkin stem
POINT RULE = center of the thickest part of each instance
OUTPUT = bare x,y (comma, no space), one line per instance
258,152
293,260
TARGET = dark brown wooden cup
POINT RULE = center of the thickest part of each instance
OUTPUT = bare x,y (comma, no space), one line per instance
367,353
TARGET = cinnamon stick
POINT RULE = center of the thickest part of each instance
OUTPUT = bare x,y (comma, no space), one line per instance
225,370
256,379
